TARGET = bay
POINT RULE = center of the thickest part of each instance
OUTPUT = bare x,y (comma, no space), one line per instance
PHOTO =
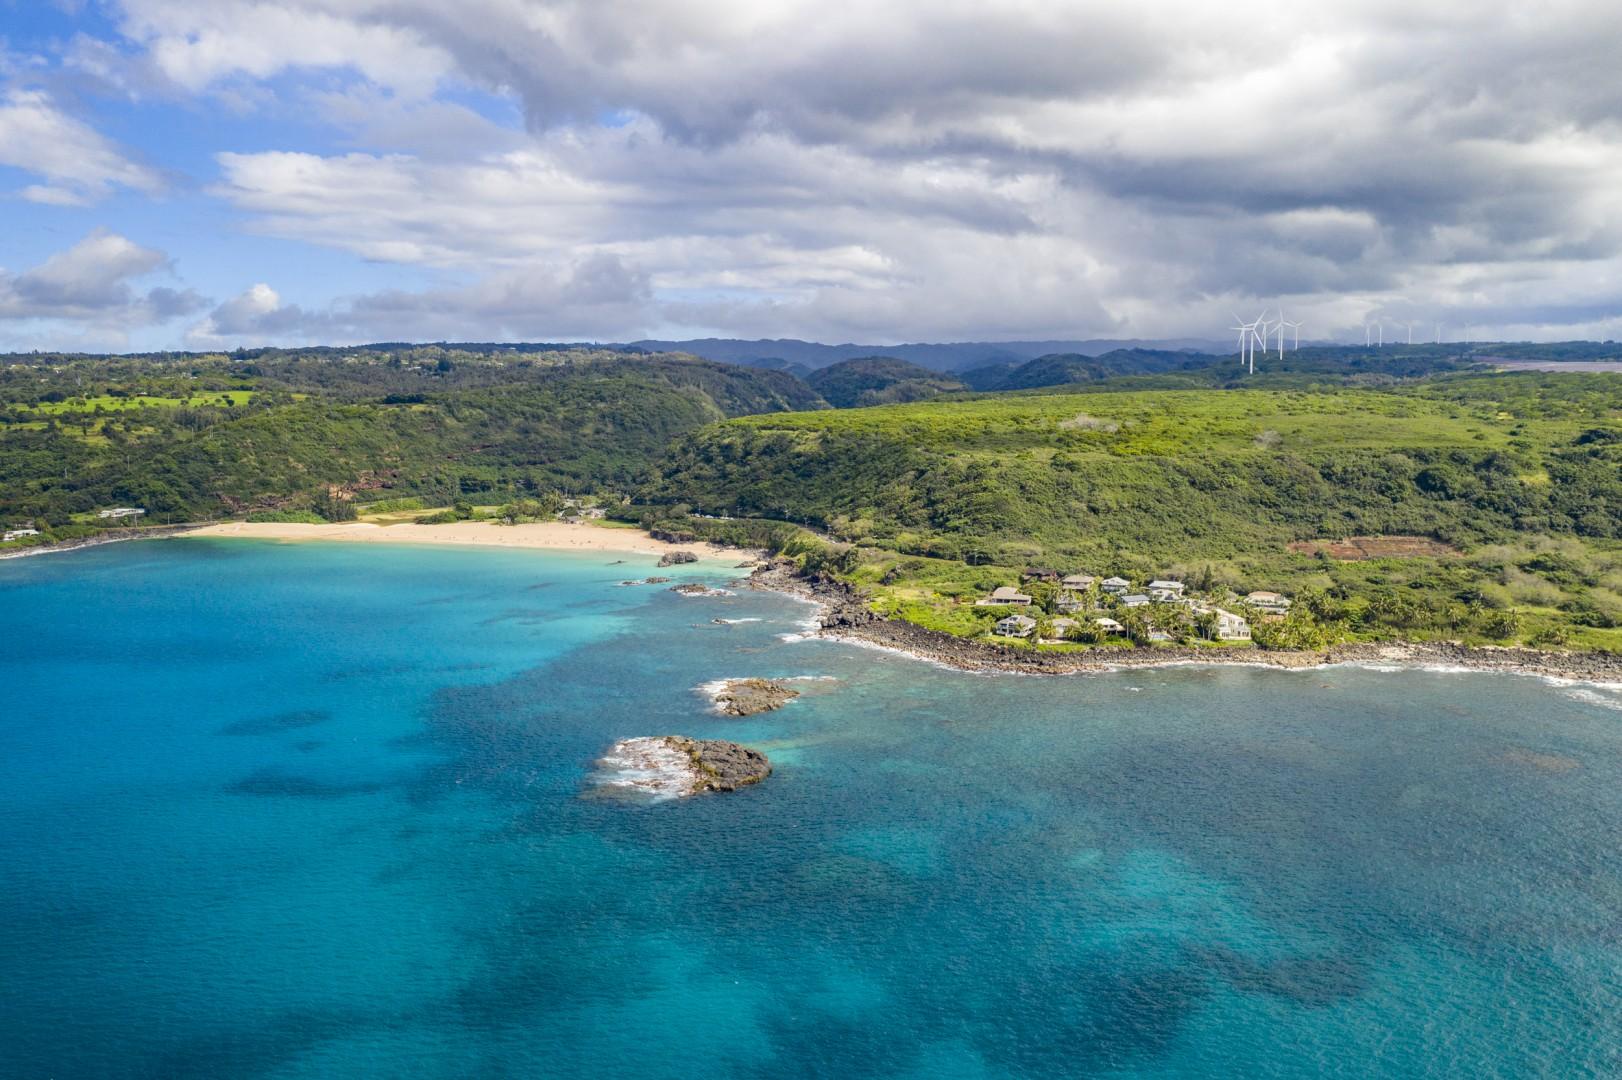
325,810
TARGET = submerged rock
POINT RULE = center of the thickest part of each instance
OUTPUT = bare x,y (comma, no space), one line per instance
746,697
675,558
693,588
675,766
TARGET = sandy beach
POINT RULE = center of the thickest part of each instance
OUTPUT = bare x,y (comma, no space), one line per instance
551,535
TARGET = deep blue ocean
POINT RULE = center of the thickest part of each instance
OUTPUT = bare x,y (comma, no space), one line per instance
317,810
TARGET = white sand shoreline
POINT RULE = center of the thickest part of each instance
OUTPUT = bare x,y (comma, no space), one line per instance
541,536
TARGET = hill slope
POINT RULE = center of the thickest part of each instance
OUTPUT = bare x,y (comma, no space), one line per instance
878,380
1141,483
302,425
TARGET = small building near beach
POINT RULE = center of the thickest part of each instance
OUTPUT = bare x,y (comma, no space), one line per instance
1271,602
1061,629
1109,626
1231,627
1005,596
1068,603
1020,626
17,534
120,512
1115,585
1135,600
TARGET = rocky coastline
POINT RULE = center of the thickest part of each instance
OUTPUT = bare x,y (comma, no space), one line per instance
844,615
106,536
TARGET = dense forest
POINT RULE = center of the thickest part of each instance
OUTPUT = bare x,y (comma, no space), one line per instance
200,438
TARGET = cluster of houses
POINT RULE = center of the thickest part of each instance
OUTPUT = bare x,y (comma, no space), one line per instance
1073,600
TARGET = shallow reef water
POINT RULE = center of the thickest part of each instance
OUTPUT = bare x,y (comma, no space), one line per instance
323,810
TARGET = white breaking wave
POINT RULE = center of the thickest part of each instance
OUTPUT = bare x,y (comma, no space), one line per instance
646,766
1593,697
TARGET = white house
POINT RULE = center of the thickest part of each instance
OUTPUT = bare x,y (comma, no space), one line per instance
17,534
1165,591
1135,600
1015,626
1109,626
1115,585
121,512
1271,602
1231,627
1004,596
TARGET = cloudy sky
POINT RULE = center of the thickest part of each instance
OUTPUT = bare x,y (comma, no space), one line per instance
210,173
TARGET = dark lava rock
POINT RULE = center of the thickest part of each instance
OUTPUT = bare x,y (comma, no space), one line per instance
722,765
676,558
746,697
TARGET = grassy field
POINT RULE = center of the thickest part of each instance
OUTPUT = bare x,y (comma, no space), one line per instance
110,403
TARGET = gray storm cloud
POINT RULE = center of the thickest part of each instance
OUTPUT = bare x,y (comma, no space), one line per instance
916,170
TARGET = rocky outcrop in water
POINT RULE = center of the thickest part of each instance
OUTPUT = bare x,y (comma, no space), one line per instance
693,588
722,765
746,697
675,766
676,558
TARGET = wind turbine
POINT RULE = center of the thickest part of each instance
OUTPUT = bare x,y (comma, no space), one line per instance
1258,337
1245,329
1438,333
1410,333
1295,335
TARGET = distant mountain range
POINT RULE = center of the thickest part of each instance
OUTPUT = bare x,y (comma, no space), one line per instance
786,354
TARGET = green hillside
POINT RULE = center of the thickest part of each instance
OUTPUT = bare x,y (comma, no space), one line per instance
1144,482
293,426
879,380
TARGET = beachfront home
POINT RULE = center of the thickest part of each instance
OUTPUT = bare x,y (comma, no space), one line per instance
121,512
1231,627
1015,626
1271,602
1135,600
1115,586
1159,635
1166,592
1109,626
1039,573
1004,596
17,534
1078,582
1061,629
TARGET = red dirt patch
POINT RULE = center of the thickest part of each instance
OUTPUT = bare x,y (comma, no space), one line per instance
1354,548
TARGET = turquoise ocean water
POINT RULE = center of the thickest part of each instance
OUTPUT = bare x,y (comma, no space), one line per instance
322,811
